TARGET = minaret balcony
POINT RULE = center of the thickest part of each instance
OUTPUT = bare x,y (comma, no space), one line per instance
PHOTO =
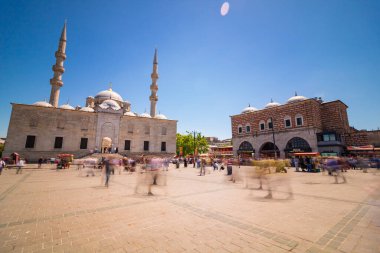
154,76
57,68
59,54
56,82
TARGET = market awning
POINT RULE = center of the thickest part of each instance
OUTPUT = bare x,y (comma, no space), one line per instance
306,154
362,148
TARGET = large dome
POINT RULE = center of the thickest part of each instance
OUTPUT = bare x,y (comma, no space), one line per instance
108,94
296,98
110,104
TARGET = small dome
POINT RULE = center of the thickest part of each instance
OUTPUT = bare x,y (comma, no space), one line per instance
67,107
160,116
109,94
249,109
43,104
272,104
296,98
110,104
145,115
86,109
129,114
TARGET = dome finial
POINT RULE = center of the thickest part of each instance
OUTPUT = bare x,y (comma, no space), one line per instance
249,105
67,101
295,93
271,100
110,86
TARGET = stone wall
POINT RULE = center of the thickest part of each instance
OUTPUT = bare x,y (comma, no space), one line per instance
139,129
281,139
47,123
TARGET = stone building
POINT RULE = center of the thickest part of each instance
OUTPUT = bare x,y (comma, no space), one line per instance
106,122
300,125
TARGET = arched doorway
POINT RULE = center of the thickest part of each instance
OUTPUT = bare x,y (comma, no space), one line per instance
267,150
297,144
245,150
106,145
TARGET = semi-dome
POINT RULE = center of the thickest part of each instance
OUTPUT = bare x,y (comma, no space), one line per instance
296,98
272,104
109,94
160,116
249,109
145,115
110,104
86,109
43,104
129,114
67,107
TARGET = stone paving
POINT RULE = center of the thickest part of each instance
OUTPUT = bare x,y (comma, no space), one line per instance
64,211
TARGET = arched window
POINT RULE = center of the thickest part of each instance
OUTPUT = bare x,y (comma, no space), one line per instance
288,121
240,129
262,125
299,120
270,124
248,128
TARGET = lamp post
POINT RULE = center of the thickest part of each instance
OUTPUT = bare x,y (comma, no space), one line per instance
194,146
274,140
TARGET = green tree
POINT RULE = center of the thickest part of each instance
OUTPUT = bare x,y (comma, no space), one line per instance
187,142
1,149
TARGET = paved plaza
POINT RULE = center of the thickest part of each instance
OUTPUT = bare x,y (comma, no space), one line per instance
43,210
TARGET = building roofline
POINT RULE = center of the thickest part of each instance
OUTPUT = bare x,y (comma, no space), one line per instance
279,106
337,100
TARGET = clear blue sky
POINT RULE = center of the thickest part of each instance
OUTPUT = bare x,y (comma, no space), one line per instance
210,66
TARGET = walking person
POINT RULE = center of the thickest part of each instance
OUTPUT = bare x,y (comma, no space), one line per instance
40,162
107,171
2,165
20,164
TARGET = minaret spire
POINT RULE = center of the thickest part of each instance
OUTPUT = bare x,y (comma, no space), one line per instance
56,82
154,87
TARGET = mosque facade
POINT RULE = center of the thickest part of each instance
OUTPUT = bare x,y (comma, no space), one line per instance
301,125
106,122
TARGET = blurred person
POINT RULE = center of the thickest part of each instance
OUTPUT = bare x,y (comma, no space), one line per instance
40,161
334,166
2,165
185,162
202,171
107,171
20,164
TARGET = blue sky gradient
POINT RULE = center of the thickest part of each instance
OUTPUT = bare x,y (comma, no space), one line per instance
210,66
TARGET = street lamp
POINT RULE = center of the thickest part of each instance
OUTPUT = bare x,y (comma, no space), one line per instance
194,146
274,140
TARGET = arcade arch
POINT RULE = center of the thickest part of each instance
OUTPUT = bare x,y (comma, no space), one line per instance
297,144
246,150
267,150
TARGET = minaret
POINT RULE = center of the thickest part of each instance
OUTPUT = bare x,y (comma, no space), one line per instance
56,81
154,87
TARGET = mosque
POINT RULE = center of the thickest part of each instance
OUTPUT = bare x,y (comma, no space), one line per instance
106,122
